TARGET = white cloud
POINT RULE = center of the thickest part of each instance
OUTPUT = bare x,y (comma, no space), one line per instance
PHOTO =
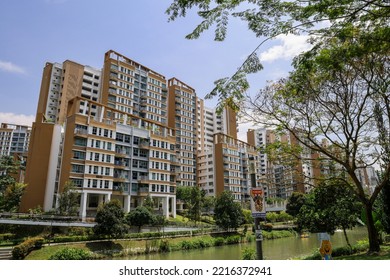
19,119
10,67
291,45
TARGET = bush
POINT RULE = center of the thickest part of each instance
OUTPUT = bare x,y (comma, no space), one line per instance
72,254
249,254
234,239
219,241
20,251
164,246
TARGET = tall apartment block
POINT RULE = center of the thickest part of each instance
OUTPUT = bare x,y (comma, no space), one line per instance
182,116
14,141
277,179
222,159
106,131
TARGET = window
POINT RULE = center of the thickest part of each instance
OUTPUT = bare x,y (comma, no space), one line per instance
78,155
80,142
76,168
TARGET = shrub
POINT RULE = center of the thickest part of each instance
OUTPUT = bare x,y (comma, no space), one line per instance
20,251
234,239
72,254
249,254
219,241
164,246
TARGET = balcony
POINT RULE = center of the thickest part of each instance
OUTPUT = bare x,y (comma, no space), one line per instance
143,179
144,144
143,191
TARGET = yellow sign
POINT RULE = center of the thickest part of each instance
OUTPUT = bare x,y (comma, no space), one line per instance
326,249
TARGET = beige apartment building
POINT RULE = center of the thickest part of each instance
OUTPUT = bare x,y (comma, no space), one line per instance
125,132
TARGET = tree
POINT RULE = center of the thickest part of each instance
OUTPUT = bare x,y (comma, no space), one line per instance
328,207
227,213
110,220
9,167
68,200
294,203
192,198
139,217
271,18
12,196
330,96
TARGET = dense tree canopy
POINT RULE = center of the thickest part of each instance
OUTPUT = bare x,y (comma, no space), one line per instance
328,207
110,220
227,213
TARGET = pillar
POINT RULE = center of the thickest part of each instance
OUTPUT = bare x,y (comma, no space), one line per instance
83,206
126,203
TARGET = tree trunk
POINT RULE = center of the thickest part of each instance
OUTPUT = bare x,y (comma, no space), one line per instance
372,232
346,238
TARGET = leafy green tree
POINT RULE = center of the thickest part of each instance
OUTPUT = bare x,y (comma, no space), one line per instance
227,213
328,207
294,203
110,220
9,167
10,201
149,203
271,18
192,198
139,217
69,200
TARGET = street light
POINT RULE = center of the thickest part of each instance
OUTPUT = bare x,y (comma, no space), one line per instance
257,207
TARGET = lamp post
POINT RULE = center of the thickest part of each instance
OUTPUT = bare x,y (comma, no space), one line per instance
257,207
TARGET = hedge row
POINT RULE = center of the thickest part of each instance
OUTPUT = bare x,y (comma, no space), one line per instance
342,251
20,251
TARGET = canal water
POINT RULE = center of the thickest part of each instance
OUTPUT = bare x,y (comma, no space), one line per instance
277,249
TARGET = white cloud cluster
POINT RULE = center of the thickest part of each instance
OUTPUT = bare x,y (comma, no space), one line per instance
10,67
19,119
290,46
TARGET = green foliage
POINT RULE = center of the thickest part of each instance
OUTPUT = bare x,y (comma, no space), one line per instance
68,200
247,215
164,246
110,220
192,198
139,217
149,203
12,197
249,254
328,207
20,251
72,254
9,167
294,203
227,213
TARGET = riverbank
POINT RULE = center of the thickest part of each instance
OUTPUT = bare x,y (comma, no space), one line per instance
114,249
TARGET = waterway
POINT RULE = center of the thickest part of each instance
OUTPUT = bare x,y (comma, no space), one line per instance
277,249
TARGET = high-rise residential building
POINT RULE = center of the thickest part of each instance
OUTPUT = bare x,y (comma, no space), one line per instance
182,107
108,135
222,159
125,132
14,139
277,178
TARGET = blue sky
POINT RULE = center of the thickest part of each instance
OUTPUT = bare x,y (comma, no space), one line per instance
34,32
